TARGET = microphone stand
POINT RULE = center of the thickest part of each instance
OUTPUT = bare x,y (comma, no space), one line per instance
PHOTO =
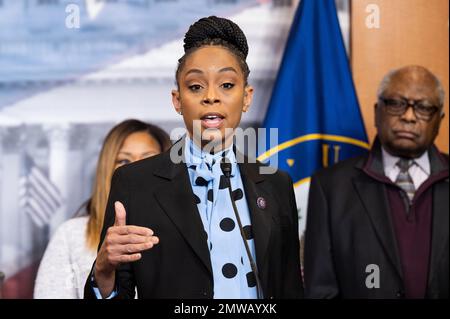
226,169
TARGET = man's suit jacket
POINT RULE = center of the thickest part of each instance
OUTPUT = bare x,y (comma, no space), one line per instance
349,227
157,194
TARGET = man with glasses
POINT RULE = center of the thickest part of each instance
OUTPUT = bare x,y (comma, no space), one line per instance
378,226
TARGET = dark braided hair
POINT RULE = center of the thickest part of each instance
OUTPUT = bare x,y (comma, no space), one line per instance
216,31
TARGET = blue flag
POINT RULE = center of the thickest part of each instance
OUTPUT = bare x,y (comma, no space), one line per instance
314,104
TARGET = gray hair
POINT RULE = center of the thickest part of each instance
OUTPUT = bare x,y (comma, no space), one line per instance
388,78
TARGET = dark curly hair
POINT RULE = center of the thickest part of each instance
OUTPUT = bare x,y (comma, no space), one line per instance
216,31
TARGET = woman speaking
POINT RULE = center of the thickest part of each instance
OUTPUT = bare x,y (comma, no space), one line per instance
210,225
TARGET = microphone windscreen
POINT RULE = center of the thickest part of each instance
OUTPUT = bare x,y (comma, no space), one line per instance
226,168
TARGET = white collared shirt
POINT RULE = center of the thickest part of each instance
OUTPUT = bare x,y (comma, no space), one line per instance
419,171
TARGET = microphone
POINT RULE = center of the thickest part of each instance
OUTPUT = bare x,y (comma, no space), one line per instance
225,166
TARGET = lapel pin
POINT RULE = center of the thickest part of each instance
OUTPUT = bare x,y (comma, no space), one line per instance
261,202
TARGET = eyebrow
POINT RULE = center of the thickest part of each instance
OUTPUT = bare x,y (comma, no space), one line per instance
228,69
194,71
425,99
129,154
198,71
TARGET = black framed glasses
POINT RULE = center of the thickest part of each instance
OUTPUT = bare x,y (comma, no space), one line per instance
422,110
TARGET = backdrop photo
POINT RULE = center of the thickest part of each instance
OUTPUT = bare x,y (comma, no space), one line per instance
70,70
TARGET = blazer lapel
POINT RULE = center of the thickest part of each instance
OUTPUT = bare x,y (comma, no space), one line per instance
177,200
372,192
439,232
261,217
374,199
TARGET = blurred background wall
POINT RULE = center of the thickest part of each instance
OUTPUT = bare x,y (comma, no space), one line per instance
405,32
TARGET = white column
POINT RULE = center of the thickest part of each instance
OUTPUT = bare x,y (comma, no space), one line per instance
11,244
76,188
58,167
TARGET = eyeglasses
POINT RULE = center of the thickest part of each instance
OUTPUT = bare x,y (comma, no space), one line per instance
400,106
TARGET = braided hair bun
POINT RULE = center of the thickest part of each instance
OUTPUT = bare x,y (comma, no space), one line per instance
219,32
216,28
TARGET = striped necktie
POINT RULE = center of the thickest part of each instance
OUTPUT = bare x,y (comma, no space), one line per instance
404,180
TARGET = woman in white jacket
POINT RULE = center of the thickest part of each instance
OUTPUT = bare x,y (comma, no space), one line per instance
72,250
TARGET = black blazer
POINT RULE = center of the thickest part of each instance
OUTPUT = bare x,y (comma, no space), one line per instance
349,227
157,194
